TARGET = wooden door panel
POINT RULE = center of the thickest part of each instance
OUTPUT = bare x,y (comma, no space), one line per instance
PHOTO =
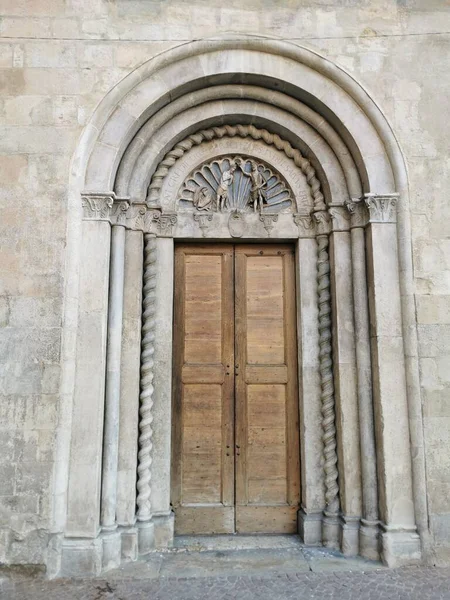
235,302
266,519
267,455
203,404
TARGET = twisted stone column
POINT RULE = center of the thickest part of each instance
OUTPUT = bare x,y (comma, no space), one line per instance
330,529
143,501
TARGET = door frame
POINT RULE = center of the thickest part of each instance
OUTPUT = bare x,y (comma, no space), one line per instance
309,390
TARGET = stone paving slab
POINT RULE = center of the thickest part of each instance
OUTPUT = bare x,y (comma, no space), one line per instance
402,584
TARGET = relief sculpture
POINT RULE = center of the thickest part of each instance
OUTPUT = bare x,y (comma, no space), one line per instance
238,183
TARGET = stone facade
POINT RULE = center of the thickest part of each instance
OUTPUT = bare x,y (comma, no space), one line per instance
95,96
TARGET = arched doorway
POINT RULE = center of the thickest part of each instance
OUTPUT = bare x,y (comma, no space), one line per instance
154,143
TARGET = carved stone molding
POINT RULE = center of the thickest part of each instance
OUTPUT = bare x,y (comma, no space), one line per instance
340,219
268,221
382,207
243,131
203,220
97,207
305,225
357,209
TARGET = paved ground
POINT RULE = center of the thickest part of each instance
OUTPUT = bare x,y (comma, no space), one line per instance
275,569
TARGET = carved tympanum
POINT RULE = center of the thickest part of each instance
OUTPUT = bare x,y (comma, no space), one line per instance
235,183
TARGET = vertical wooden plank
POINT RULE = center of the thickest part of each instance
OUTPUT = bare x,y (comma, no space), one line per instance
228,333
203,462
240,309
178,358
267,452
292,412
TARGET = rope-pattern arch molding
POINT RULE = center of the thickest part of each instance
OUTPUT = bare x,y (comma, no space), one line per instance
243,131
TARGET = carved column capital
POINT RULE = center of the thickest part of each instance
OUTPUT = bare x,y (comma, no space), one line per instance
97,207
382,207
165,223
340,219
305,224
203,219
119,212
268,221
358,212
323,222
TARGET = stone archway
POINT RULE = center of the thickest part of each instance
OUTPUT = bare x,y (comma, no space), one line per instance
332,145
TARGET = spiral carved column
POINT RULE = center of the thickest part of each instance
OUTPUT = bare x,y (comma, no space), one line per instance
330,529
143,500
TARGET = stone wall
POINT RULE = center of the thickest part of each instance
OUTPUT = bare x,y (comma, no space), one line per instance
58,59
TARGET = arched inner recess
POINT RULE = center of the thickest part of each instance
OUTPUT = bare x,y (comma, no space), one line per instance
290,92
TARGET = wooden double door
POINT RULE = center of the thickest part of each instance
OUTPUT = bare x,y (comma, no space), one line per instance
235,444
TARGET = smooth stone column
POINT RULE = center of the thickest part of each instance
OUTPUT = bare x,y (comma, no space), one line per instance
400,542
311,445
83,555
111,544
162,408
369,531
345,382
129,393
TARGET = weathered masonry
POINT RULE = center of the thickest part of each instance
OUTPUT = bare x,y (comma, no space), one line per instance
239,349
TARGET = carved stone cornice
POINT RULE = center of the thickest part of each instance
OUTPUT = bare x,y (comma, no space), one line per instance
323,222
382,207
305,224
97,207
119,211
268,221
340,219
203,220
359,216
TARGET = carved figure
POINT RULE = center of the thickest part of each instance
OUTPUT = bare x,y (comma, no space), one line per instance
203,199
222,197
257,196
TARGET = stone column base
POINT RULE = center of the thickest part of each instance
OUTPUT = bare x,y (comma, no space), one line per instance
369,540
400,547
111,554
81,557
310,527
349,535
330,530
129,548
164,528
146,536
